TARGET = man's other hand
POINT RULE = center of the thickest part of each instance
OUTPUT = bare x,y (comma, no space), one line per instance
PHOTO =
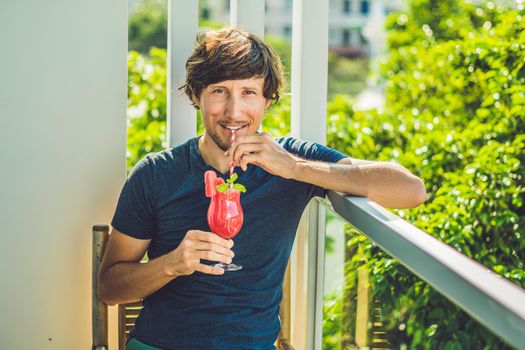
197,245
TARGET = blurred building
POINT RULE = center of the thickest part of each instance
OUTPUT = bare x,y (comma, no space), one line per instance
348,18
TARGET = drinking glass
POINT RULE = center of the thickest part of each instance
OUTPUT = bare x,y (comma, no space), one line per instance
225,215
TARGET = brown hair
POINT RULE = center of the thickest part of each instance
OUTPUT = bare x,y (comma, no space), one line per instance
231,54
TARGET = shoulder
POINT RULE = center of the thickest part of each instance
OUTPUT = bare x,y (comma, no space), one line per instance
299,146
294,144
157,161
310,150
156,170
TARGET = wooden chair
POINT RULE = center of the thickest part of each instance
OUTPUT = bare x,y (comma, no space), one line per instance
99,309
128,313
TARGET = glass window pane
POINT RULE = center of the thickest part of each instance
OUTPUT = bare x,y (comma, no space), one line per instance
364,7
372,301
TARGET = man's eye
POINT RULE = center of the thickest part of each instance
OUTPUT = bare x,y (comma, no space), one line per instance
218,91
249,92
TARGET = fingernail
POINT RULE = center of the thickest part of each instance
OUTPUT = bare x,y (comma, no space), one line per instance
219,271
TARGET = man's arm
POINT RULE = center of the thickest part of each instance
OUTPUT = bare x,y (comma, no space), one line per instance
123,278
388,184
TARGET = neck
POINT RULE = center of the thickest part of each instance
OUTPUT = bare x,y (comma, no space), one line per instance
213,155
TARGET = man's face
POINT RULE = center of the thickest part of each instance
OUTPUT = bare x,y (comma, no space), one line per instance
232,105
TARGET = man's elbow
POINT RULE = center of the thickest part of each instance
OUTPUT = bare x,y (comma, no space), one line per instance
106,299
103,294
419,193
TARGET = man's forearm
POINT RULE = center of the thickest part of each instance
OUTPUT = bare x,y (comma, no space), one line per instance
126,282
388,184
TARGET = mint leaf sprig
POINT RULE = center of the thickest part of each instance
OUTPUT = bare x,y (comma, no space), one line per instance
230,183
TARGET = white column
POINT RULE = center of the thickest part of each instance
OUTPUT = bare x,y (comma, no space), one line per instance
309,90
248,15
309,69
183,25
62,161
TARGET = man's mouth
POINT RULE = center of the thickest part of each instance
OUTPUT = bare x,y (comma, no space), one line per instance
233,127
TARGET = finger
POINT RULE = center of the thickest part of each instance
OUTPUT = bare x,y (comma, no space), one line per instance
245,148
255,138
211,237
204,246
212,256
210,270
231,150
237,153
247,159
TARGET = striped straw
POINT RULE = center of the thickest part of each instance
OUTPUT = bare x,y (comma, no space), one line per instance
232,140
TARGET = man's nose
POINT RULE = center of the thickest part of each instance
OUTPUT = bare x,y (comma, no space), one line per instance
234,107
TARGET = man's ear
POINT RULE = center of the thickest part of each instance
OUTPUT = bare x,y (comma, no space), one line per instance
268,104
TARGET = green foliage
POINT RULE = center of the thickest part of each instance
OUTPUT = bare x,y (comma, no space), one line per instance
463,102
148,25
332,319
346,76
146,104
454,115
284,49
276,121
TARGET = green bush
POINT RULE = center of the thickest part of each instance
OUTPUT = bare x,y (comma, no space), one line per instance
147,26
146,104
454,115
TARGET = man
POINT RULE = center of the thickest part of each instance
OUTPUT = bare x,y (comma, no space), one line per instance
232,77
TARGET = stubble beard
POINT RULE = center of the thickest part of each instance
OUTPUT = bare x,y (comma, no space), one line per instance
217,139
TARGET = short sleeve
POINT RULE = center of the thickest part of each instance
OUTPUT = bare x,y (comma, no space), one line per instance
312,151
134,215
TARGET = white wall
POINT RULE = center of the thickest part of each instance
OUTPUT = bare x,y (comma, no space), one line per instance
62,161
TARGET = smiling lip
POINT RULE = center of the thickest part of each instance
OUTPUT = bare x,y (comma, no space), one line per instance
233,127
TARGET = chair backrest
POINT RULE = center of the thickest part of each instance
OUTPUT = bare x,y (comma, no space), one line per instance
127,316
99,309
128,313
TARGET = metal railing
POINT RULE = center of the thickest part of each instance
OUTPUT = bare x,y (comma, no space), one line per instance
489,298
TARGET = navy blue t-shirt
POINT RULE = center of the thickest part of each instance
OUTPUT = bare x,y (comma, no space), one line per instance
164,197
